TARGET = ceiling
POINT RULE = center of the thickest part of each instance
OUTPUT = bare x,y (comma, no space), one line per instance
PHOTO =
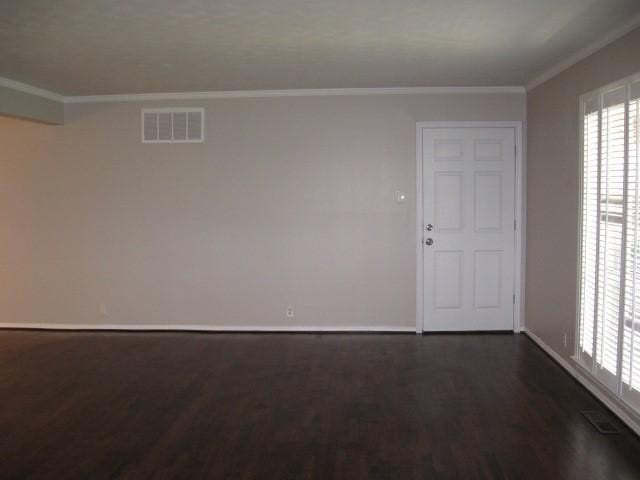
91,47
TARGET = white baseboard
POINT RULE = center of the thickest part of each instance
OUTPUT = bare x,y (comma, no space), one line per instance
205,328
618,408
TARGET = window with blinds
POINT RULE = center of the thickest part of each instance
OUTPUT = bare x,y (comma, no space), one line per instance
609,274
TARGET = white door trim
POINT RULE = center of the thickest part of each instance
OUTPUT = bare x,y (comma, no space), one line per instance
520,216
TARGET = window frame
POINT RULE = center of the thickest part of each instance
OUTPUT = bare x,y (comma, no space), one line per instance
630,399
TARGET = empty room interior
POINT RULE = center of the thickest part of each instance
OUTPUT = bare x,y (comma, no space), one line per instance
304,239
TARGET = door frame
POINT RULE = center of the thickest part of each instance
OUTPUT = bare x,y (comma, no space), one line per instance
519,212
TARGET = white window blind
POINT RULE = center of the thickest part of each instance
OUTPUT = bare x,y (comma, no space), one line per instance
609,286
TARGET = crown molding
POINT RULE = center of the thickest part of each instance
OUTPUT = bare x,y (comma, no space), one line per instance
610,37
315,92
31,90
321,92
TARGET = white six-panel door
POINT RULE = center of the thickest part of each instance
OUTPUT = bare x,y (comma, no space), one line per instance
468,228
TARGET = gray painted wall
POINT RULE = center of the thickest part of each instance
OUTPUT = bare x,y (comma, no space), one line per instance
24,105
290,201
553,188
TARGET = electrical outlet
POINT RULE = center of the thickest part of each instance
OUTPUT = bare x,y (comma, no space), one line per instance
290,312
564,340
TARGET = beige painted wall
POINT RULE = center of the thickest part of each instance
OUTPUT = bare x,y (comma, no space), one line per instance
290,201
25,105
553,183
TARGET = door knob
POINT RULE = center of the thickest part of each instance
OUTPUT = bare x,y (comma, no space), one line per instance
428,227
429,241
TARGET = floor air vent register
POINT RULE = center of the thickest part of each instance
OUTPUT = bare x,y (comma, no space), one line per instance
601,421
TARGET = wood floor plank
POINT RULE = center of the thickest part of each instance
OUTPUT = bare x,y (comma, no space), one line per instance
101,405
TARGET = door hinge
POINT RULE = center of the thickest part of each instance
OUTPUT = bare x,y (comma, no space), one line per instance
515,224
514,298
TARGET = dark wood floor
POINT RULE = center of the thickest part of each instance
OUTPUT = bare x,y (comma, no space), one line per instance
242,406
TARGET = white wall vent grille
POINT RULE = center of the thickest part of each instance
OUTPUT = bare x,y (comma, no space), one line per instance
172,125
